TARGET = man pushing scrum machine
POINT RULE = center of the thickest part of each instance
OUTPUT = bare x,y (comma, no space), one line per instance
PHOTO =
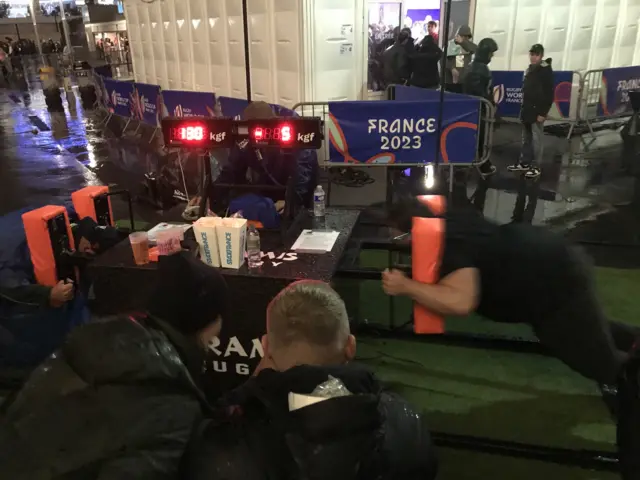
527,274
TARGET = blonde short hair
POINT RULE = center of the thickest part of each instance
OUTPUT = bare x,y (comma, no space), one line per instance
310,313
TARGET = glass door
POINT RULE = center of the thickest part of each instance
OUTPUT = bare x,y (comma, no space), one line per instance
384,23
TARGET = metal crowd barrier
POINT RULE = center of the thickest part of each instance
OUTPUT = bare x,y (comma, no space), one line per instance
321,109
592,90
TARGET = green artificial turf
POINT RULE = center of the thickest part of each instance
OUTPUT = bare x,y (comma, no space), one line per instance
502,395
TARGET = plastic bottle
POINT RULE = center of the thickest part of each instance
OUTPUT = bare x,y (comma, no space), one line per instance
254,257
318,202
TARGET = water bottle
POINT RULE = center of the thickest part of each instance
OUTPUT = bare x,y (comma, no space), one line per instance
318,202
254,257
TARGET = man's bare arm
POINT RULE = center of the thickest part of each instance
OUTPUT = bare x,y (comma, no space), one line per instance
456,294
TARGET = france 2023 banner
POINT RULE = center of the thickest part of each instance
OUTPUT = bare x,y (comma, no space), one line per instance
395,132
146,103
507,93
119,96
614,92
178,103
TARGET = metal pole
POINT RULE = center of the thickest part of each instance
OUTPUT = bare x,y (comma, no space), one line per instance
247,47
65,27
35,26
445,49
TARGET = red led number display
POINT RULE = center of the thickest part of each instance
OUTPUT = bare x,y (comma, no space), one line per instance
189,133
282,134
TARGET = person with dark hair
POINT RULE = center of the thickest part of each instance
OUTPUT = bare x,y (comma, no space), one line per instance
519,273
308,412
478,82
396,59
537,98
432,30
120,398
424,64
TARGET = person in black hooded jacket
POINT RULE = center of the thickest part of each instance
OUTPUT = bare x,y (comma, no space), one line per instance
120,399
396,59
478,82
424,64
307,412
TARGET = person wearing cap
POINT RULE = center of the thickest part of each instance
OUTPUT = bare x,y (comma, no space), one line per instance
459,54
120,398
537,98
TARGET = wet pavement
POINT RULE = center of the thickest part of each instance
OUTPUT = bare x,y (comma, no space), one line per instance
46,156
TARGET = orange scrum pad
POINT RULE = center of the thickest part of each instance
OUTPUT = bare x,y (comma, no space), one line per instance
84,202
427,246
39,242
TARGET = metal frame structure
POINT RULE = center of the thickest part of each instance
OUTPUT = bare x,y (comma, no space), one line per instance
321,109
588,459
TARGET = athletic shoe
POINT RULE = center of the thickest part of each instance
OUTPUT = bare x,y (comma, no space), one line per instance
532,172
518,167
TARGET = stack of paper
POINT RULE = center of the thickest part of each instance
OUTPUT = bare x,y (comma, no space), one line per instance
314,241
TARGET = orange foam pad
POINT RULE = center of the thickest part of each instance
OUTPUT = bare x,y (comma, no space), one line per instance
84,202
427,247
39,242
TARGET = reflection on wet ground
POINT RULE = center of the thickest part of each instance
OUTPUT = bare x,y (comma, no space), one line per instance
46,156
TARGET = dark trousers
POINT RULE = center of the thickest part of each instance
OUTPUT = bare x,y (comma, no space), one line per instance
580,335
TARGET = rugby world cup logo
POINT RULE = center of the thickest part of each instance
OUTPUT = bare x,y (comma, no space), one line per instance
498,94
114,98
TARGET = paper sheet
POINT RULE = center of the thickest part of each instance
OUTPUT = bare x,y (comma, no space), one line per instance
314,241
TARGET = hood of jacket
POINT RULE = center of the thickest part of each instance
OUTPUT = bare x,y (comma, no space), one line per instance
336,438
118,351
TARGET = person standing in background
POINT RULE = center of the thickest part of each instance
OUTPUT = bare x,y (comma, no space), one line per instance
478,82
432,30
424,64
459,54
537,97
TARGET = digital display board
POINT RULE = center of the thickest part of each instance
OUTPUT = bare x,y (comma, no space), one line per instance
288,132
196,132
209,133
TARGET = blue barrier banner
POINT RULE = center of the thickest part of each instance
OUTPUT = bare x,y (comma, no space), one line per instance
145,102
178,103
234,107
118,96
614,94
507,93
386,132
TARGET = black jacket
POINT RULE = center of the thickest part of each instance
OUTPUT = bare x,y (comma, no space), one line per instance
477,79
368,435
116,402
537,92
424,65
396,64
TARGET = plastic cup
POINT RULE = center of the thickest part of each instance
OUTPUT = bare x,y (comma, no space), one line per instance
140,247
